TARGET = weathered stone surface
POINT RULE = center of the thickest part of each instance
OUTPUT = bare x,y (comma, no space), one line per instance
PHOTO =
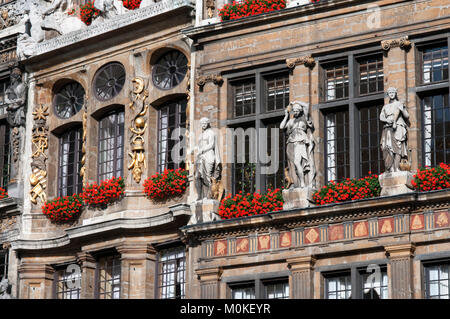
396,183
205,211
298,197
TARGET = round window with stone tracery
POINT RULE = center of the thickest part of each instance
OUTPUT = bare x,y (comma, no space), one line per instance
109,81
170,70
69,100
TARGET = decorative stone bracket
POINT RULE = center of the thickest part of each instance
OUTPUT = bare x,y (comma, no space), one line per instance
306,60
217,79
402,43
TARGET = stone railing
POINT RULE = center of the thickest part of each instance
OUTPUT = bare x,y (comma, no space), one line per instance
113,24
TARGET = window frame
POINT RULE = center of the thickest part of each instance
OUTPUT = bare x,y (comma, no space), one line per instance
260,119
78,149
114,255
116,113
5,152
425,274
158,268
5,254
59,268
352,103
424,90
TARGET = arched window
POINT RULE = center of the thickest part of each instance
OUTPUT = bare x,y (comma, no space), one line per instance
70,154
110,145
171,116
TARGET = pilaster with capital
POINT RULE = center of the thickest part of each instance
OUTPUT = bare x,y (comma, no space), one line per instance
209,282
88,265
301,280
400,270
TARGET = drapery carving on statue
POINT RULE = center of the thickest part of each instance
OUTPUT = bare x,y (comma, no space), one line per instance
15,98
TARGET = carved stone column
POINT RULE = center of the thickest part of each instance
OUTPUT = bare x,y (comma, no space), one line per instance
209,282
138,271
36,281
301,279
88,265
400,269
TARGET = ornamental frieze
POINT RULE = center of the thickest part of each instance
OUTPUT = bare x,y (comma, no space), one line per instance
324,234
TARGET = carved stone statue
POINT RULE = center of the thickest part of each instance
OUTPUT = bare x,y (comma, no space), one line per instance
4,289
395,132
56,18
15,99
208,165
108,9
300,145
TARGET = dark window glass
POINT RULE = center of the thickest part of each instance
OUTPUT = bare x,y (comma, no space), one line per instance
438,281
435,64
244,172
109,81
337,146
171,117
370,127
371,75
110,157
336,84
338,287
5,154
276,180
246,291
277,92
4,83
244,98
69,100
65,290
108,282
172,273
436,132
170,70
3,264
70,154
276,290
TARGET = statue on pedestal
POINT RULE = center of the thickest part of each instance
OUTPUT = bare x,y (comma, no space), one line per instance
394,137
208,165
300,145
15,99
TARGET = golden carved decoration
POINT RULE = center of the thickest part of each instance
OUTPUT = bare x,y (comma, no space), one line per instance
40,113
386,227
220,248
402,43
417,223
285,240
217,79
210,7
138,128
39,140
442,220
361,230
312,235
306,60
242,246
39,182
264,242
83,149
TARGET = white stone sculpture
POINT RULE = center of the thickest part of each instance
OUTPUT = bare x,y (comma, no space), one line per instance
108,9
4,287
56,18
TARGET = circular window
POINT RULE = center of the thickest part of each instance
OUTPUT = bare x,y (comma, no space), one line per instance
170,70
69,100
109,81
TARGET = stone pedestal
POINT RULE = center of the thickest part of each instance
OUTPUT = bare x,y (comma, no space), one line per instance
396,183
204,211
298,197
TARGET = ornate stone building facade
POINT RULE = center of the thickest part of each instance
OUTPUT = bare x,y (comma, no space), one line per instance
103,101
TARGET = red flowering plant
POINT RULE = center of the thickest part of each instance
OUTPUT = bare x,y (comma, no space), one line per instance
3,193
163,186
86,12
237,10
104,193
250,204
348,190
131,4
63,209
428,179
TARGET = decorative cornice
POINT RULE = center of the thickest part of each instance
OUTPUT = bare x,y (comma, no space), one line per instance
306,60
402,43
400,251
209,274
217,79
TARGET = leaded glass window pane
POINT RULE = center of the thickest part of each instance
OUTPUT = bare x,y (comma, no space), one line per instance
338,287
370,128
172,273
371,75
277,92
438,281
435,64
337,145
336,84
70,154
109,277
110,157
244,98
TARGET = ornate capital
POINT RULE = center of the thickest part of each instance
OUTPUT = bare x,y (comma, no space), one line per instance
306,60
301,263
403,43
209,274
400,251
217,79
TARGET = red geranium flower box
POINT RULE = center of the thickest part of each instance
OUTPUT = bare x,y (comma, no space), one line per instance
348,190
162,186
63,209
3,193
237,10
251,204
428,179
104,193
